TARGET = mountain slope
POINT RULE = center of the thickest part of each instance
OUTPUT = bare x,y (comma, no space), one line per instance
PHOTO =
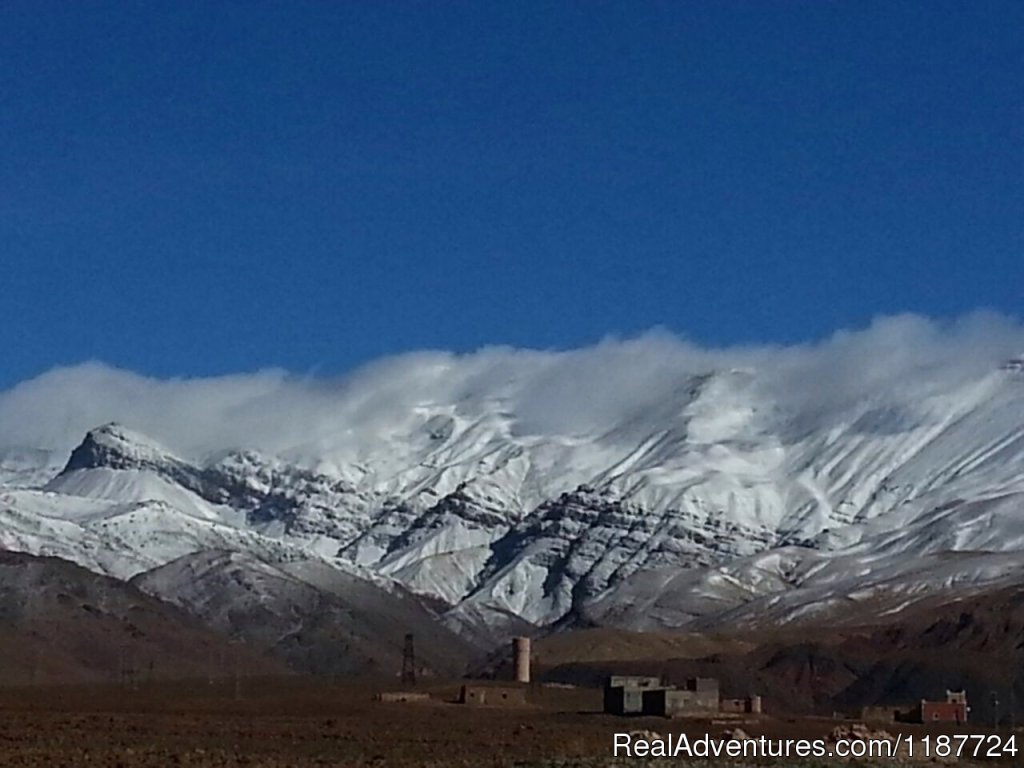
62,623
313,617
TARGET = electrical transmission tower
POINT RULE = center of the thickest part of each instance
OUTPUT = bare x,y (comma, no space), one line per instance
408,662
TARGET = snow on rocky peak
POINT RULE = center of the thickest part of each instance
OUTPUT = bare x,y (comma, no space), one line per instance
117,447
718,491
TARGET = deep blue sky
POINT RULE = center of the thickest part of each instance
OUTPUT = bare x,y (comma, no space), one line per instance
195,188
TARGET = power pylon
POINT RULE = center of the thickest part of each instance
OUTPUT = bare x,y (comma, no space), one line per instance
408,662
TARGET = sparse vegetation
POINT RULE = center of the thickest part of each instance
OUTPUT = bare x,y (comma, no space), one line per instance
295,723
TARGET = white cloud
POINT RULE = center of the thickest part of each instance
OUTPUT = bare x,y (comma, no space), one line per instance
894,361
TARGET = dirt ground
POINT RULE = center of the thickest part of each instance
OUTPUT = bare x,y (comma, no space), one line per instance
293,722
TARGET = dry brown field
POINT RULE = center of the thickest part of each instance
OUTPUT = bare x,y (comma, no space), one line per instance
299,723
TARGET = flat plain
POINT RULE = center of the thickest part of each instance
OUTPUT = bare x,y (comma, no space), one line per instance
297,723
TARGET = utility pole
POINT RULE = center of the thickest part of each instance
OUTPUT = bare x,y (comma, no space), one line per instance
408,662
238,674
126,669
1014,676
995,710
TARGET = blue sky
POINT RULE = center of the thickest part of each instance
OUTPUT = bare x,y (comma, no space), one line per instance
199,188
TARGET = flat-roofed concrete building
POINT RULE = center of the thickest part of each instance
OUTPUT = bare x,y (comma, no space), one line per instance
698,697
624,694
633,681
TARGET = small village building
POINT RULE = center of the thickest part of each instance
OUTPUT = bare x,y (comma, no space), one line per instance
748,705
953,710
698,697
624,694
882,714
943,712
671,702
633,681
493,695
401,697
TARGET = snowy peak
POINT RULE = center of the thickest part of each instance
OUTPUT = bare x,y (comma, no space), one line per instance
243,490
116,447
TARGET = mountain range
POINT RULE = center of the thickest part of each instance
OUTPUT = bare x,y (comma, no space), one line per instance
714,499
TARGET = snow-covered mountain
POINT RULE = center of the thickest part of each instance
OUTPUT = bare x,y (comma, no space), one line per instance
715,496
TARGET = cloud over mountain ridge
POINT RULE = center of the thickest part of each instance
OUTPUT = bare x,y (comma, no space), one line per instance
545,392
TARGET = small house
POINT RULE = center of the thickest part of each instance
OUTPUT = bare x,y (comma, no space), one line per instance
953,710
493,695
